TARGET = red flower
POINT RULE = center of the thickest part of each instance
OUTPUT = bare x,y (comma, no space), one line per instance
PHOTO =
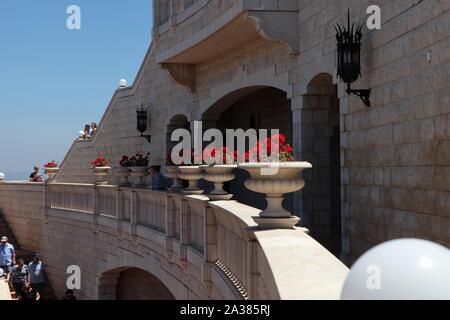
279,139
99,162
51,164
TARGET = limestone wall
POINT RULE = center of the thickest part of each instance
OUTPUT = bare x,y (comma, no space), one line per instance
394,156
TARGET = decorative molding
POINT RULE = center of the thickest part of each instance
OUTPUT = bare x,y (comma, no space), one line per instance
281,26
183,74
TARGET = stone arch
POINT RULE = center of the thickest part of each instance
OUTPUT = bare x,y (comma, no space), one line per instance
242,80
179,121
128,283
254,107
123,260
320,145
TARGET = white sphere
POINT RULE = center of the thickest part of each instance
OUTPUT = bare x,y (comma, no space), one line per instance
123,83
2,273
2,176
404,269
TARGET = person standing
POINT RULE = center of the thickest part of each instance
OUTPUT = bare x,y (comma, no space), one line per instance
7,256
36,270
19,276
159,182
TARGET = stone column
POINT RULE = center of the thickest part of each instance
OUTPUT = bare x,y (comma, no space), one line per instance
107,286
185,232
134,203
95,209
119,210
170,226
210,247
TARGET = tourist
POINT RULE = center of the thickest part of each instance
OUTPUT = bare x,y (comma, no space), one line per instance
85,134
35,176
93,129
19,276
69,295
159,182
7,257
28,293
36,270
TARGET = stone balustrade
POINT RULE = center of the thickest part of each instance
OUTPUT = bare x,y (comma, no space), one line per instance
219,239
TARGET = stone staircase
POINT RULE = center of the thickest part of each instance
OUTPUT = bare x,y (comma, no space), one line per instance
5,230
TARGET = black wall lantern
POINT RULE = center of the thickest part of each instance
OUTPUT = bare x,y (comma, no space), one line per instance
142,122
349,58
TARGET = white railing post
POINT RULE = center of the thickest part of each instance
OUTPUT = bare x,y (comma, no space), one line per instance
119,211
185,232
170,226
252,266
210,247
134,215
95,208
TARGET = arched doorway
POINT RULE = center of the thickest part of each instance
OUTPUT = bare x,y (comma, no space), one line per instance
257,108
132,284
178,121
320,145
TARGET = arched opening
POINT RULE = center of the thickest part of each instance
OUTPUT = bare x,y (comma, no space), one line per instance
257,108
320,142
132,284
179,121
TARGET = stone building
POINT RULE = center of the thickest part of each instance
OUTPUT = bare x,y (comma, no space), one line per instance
379,173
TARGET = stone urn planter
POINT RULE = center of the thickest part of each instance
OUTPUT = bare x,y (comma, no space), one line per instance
100,175
51,173
219,174
173,173
123,173
139,174
275,180
191,174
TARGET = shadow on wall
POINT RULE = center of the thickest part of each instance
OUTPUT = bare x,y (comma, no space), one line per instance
132,284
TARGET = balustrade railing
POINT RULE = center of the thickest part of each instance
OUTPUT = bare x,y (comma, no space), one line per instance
152,210
77,198
216,237
212,232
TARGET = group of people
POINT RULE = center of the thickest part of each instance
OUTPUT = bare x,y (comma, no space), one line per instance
27,280
88,132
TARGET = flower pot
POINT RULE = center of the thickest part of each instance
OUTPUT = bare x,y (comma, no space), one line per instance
123,173
275,180
219,174
139,174
101,173
51,173
191,174
172,173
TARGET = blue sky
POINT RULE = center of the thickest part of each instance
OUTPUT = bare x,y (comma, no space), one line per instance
55,80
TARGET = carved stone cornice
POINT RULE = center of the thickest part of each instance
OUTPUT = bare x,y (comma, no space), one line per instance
181,73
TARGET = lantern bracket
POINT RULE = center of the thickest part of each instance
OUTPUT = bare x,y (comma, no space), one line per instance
147,136
363,94
349,57
142,122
